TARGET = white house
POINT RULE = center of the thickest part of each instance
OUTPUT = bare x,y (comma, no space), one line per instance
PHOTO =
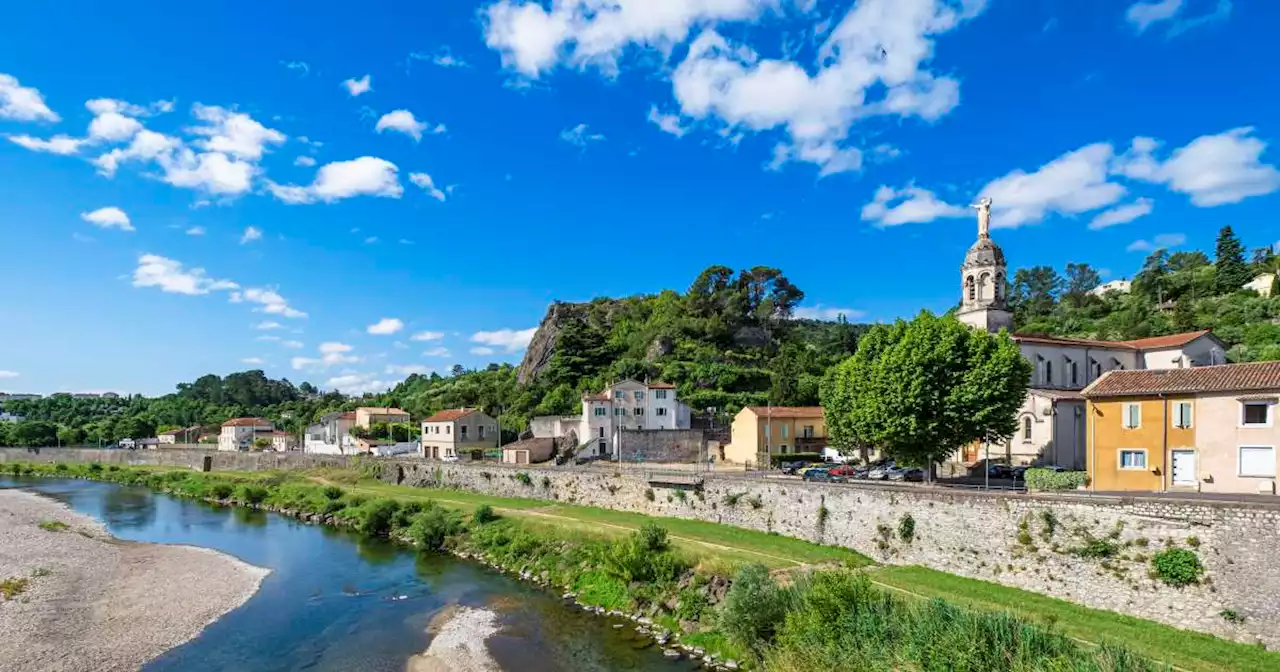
1121,286
239,433
1261,284
11,417
1051,422
332,435
627,404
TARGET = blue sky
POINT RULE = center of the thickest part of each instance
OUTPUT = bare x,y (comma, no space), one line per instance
171,180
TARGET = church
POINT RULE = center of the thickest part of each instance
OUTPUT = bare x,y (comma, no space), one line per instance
1051,422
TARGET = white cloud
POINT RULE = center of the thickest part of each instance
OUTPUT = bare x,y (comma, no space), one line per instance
448,60
510,340
332,353
195,231
255,361
1162,241
436,352
909,205
268,337
821,312
408,369
211,172
304,161
669,123
401,121
269,301
334,347
267,325
1142,14
386,326
1221,12
233,133
1212,169
22,103
424,180
9,374
297,65
169,275
58,144
250,234
1122,214
356,87
365,176
482,351
359,383
146,146
370,240
114,120
293,345
427,336
1073,183
579,137
108,218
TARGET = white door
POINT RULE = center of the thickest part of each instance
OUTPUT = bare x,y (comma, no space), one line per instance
1184,467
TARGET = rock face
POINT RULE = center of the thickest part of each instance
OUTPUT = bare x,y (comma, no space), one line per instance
543,346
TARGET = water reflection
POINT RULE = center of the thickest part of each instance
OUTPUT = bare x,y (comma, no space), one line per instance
335,601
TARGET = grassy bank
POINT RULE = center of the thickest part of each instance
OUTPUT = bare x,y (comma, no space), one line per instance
674,569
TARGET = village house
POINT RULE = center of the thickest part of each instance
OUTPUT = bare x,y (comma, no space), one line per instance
1051,421
761,432
626,405
282,441
180,435
455,433
367,416
1206,429
239,433
331,435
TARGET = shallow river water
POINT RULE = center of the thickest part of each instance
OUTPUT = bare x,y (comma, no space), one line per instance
337,601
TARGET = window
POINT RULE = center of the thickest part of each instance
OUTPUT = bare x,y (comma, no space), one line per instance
1048,372
1258,461
637,411
1256,414
1132,416
639,395
1182,414
784,431
1097,367
783,447
602,432
807,432
602,447
619,395
972,291
600,411
462,432
1075,373
480,432
448,429
659,394
662,411
1133,458
1026,429
619,411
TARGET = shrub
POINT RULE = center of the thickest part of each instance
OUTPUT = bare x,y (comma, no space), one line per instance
404,515
546,482
733,498
112,467
53,526
523,478
94,467
690,604
756,502
253,494
1097,548
652,537
333,506
375,517
753,609
1231,616
1177,567
431,528
484,514
643,556
59,467
13,587
648,494
332,493
907,528
1047,479
221,490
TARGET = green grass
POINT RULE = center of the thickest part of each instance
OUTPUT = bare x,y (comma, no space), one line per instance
53,526
13,587
1181,648
601,590
715,641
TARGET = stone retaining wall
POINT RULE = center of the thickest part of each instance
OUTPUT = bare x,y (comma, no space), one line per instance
998,537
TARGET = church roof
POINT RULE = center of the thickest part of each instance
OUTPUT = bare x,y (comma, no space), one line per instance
1153,343
985,252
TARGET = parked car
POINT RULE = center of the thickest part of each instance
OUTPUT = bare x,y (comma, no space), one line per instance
811,467
817,475
896,473
881,471
913,475
843,470
793,467
860,473
999,471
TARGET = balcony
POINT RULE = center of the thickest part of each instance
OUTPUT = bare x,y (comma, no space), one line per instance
810,444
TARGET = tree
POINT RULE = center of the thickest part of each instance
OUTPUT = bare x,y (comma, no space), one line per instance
1081,279
261,443
1151,280
1035,291
457,371
919,390
1231,271
1275,284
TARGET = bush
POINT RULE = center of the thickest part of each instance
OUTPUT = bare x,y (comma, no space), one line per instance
253,494
652,538
753,609
332,506
332,493
94,467
1047,479
1177,567
375,518
776,460
221,490
1097,548
59,467
907,528
484,514
431,528
523,478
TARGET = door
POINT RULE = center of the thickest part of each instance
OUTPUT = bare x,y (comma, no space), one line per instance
1184,467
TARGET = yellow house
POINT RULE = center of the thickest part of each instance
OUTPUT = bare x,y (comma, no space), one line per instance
759,432
1202,429
367,415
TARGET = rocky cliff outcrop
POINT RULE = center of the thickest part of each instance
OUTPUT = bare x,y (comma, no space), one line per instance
543,346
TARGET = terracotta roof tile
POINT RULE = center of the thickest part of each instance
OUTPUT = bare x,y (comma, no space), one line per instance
1251,377
786,411
1153,343
1170,341
246,422
450,415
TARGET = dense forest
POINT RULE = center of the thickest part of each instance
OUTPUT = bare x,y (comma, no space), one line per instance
728,341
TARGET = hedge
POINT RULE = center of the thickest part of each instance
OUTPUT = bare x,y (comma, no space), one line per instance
1048,479
795,457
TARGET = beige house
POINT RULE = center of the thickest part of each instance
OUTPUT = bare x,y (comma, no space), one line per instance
760,432
366,416
239,433
1205,429
448,435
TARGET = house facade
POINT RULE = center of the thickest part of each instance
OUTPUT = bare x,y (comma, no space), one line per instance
1052,420
625,405
239,433
454,433
760,432
366,416
331,435
1206,429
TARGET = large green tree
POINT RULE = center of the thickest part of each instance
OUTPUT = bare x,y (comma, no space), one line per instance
919,390
1035,291
1231,271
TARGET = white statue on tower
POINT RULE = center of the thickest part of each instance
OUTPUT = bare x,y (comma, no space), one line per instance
983,206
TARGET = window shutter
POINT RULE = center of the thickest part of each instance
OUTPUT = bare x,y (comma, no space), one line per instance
1257,461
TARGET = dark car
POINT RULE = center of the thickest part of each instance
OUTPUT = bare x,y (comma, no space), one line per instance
817,475
914,475
792,468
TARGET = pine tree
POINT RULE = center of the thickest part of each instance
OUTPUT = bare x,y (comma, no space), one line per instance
1230,270
1275,284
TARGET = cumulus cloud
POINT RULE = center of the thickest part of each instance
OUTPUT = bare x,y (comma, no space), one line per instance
269,301
108,218
365,176
403,121
408,369
195,231
669,123
254,361
59,144
510,340
482,351
170,276
1073,183
436,352
251,234
332,353
23,103
293,345
386,326
821,312
427,336
266,325
359,383
579,136
909,205
1212,169
304,161
1141,15
356,87
9,374
232,133
428,185
1122,214
1162,241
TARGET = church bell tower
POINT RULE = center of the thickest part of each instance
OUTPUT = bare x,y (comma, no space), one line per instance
983,283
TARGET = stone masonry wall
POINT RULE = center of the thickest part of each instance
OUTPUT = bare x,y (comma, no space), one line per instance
662,445
995,537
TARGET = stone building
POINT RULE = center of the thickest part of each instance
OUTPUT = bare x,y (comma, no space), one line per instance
627,405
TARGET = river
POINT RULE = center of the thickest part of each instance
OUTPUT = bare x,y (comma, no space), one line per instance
338,601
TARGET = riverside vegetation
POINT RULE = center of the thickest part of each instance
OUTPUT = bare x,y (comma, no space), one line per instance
831,615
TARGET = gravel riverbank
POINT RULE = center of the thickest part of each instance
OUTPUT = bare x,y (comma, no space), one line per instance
458,645
88,601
